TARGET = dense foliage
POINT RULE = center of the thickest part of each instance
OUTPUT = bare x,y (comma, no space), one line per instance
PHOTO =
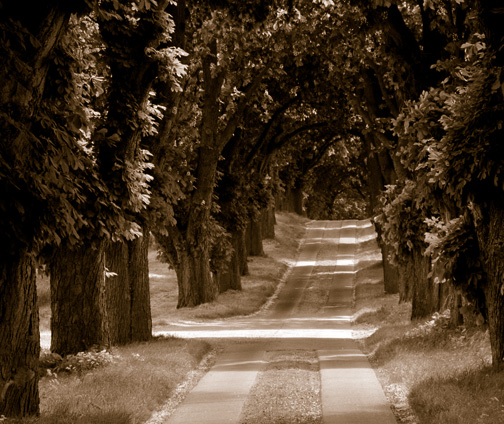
430,94
187,120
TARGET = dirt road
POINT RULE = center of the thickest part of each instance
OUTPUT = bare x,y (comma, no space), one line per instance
295,362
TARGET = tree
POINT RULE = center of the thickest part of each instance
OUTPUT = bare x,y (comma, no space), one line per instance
37,163
336,188
449,156
473,180
229,58
127,116
390,61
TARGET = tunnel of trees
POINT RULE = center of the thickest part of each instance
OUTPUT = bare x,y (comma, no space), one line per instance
194,121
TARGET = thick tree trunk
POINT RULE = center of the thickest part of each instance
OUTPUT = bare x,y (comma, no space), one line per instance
30,33
293,201
489,225
456,317
288,200
268,221
405,282
79,316
127,291
254,238
243,252
118,293
195,281
230,279
495,308
191,245
19,337
417,285
390,271
191,261
141,319
279,202
299,201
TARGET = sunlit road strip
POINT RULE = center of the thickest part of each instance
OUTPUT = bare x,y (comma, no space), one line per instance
275,323
45,339
261,334
268,333
327,262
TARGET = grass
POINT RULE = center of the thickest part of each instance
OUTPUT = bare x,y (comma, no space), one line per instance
122,386
431,373
474,396
129,383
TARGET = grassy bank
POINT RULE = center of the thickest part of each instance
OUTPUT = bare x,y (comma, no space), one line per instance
431,373
129,383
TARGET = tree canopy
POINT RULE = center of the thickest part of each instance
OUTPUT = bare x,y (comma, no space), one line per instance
191,121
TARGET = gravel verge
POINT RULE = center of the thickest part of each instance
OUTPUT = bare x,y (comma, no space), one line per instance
287,391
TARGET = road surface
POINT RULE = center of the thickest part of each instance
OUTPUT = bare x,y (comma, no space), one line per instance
312,312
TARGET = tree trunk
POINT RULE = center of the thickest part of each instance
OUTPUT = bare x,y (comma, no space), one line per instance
268,222
141,319
243,252
19,336
118,293
293,201
79,317
254,238
489,225
390,271
190,257
417,285
495,307
29,36
280,202
192,244
405,276
456,317
230,279
194,278
128,291
288,200
299,201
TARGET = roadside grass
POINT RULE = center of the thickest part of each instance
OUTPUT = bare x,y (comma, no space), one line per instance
431,372
122,386
129,383
475,396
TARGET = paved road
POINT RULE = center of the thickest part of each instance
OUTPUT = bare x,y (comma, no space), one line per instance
312,312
